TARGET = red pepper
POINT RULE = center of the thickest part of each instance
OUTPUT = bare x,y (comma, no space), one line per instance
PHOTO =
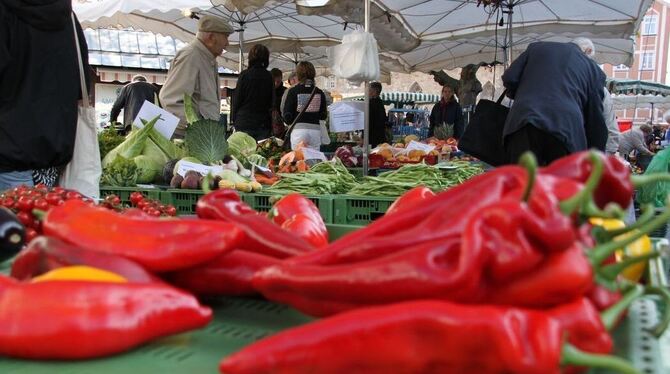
46,253
91,319
410,198
157,244
603,298
615,185
309,226
415,337
260,236
438,218
229,274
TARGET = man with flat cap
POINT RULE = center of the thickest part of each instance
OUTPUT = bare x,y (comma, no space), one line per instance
194,71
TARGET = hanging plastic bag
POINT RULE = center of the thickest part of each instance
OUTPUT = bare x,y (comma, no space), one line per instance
356,59
655,193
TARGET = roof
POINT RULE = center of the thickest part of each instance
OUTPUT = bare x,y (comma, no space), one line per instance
636,87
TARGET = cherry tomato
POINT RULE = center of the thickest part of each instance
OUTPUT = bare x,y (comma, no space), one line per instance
25,218
41,204
136,197
154,212
52,198
72,195
8,202
171,211
25,203
30,234
58,190
142,204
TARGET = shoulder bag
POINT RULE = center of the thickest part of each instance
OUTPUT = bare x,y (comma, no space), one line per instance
483,137
289,130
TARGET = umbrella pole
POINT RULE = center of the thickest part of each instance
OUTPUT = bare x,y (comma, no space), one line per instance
366,116
241,64
510,42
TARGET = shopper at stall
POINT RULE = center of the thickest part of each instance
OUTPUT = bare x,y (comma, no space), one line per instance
634,140
130,99
253,97
378,121
558,103
292,81
278,127
194,71
448,113
39,87
300,99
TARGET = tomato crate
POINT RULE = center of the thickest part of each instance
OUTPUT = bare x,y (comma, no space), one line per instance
263,202
182,199
124,193
359,210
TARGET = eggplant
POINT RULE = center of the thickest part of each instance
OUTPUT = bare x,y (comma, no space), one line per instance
12,234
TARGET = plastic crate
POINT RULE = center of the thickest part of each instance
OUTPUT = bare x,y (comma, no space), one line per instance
263,202
359,210
182,199
124,193
337,231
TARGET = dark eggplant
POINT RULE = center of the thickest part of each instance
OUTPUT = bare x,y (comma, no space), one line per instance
12,234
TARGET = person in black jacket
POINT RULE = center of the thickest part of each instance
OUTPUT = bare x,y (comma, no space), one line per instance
39,87
253,96
278,127
378,120
130,99
307,128
558,103
447,112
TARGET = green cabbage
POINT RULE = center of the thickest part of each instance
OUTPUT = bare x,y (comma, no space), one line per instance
242,146
258,160
147,168
132,146
206,141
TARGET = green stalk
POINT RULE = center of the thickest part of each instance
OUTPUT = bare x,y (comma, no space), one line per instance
529,162
611,315
646,216
663,292
611,271
570,355
601,252
642,180
205,183
571,205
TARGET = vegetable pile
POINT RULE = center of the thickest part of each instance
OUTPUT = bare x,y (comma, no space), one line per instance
322,179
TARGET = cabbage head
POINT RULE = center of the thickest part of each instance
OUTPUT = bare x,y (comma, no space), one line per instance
206,141
242,145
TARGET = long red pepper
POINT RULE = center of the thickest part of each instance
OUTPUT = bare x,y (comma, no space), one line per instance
157,244
409,199
260,235
79,320
46,253
300,216
229,274
415,337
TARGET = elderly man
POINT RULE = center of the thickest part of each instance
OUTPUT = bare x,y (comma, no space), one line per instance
194,71
130,99
634,140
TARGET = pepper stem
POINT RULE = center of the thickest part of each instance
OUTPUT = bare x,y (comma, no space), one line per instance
39,214
642,180
570,355
646,216
663,292
611,271
601,252
611,315
529,162
581,199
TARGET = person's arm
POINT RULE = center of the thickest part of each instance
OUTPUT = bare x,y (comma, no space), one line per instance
612,128
640,146
459,127
512,76
119,103
240,92
433,119
291,103
595,126
323,109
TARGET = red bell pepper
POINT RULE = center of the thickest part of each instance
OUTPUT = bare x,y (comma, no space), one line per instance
260,236
45,253
603,298
409,199
91,319
157,244
437,218
300,216
229,274
417,337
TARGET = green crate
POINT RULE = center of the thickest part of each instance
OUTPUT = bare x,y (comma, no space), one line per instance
263,202
337,231
182,199
124,193
359,210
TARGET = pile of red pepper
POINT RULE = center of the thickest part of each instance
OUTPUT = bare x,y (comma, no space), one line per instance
507,261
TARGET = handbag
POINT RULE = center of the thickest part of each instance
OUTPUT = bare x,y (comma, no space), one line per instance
83,172
483,137
287,137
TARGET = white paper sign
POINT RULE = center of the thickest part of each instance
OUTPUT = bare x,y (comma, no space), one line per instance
414,145
165,125
185,166
312,154
347,116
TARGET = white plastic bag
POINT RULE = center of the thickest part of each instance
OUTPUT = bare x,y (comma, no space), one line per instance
356,59
83,172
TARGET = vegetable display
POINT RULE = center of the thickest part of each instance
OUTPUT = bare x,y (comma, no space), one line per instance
206,141
323,178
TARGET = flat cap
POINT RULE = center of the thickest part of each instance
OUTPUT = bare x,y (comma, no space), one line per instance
209,23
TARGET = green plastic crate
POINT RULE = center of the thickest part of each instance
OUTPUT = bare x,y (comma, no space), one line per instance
182,199
262,202
337,231
359,210
124,193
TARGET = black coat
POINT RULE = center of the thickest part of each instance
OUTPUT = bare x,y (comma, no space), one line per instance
559,90
39,83
452,114
252,100
378,122
130,99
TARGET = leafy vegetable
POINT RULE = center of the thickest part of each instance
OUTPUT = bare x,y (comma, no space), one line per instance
242,145
258,160
108,140
147,168
152,151
132,146
189,110
206,141
120,172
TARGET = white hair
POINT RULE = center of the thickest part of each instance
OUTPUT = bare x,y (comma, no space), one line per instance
202,35
586,45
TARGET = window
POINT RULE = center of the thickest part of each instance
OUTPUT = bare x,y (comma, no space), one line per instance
332,82
620,67
647,61
650,25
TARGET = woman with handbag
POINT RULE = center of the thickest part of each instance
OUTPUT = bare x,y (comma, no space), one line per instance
447,113
304,108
